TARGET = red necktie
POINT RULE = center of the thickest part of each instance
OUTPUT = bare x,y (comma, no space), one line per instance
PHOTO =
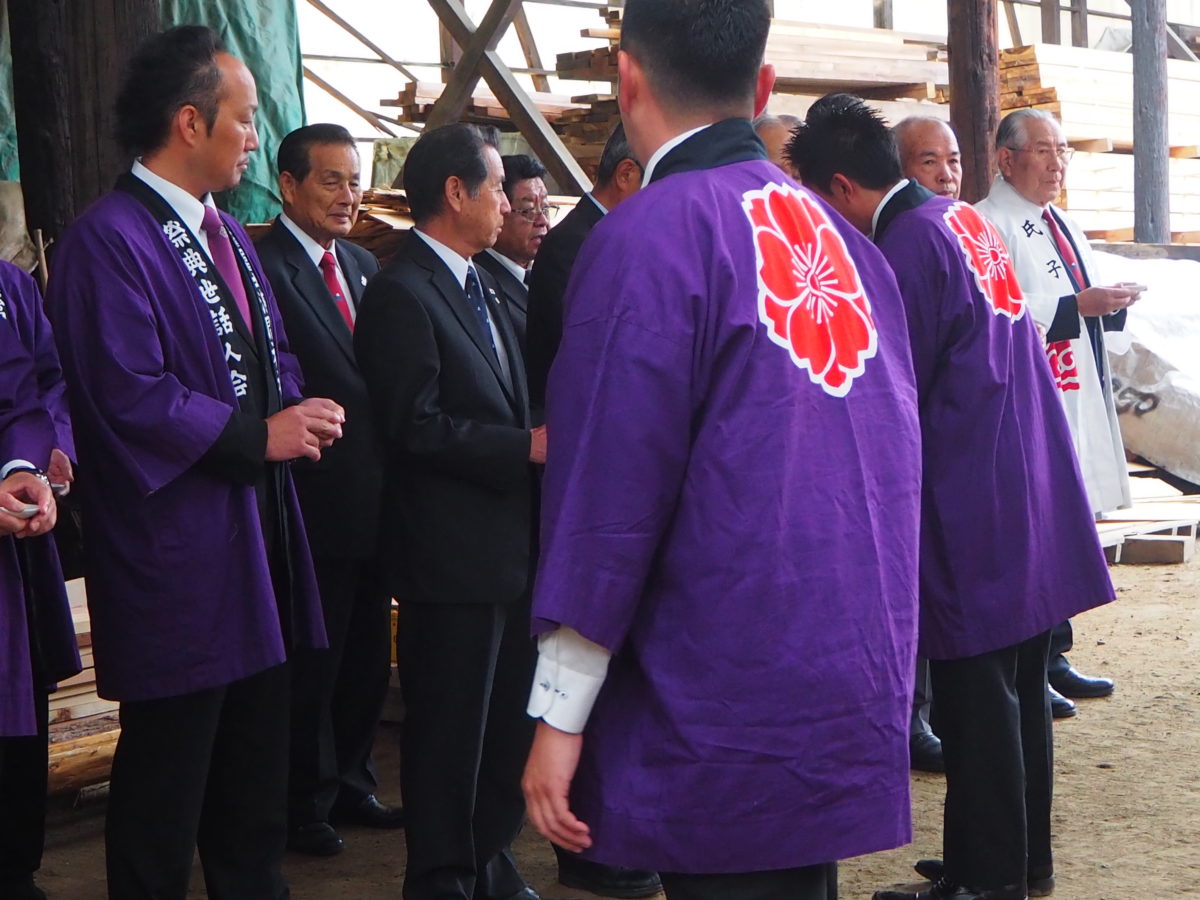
221,251
1065,250
329,270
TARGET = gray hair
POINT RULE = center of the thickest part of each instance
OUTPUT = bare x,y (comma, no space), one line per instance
1013,133
616,150
787,121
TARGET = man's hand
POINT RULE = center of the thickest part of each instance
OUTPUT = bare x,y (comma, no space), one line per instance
537,444
1103,301
553,759
60,471
301,431
331,428
18,489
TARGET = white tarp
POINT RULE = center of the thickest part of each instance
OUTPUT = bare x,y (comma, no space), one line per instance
1156,362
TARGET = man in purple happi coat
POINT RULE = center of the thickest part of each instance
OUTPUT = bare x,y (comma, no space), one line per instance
729,551
37,641
186,405
1008,546
37,616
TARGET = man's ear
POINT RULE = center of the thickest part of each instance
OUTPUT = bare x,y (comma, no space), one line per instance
762,90
1004,160
189,124
842,188
630,82
287,187
628,175
454,192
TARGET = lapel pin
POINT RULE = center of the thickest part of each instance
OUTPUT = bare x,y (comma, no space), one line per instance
363,278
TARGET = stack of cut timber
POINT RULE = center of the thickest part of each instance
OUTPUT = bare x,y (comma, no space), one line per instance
383,222
76,697
416,100
901,74
1091,93
1099,194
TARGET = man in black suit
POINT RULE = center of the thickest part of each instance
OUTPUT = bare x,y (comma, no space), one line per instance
618,177
441,361
337,694
525,225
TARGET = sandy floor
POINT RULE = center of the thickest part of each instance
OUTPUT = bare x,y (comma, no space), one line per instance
1127,808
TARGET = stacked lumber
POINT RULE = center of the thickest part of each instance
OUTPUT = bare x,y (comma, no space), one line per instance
1099,194
1159,528
383,222
900,73
1091,93
416,99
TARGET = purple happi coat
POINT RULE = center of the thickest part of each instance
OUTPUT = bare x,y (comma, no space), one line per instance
1008,543
731,507
26,432
179,590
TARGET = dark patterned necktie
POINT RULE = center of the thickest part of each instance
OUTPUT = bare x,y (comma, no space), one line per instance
475,298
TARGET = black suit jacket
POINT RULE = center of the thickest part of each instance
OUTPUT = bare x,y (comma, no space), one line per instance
910,196
456,440
512,291
547,287
340,495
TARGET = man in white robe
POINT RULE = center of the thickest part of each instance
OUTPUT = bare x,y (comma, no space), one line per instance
1054,265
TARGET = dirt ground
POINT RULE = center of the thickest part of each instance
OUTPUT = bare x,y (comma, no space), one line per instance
1127,810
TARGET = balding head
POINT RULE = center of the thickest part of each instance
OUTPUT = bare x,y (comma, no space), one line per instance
929,154
774,132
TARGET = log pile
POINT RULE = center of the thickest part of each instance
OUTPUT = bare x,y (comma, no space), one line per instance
76,697
1091,93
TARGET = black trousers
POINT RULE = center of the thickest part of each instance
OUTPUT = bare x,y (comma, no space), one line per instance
465,670
23,765
1062,639
338,693
806,883
204,771
993,716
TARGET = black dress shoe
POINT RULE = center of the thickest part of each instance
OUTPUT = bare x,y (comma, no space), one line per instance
316,839
1039,884
369,812
925,753
21,889
1060,706
607,881
528,893
1079,687
943,889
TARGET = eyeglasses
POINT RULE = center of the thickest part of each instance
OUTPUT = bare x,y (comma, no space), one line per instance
533,213
1043,154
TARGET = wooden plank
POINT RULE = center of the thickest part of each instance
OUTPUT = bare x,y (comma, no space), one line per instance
1157,549
475,42
529,47
77,763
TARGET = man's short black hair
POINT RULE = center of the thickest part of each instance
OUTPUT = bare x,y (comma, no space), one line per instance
294,155
520,167
841,135
698,53
171,70
440,154
616,151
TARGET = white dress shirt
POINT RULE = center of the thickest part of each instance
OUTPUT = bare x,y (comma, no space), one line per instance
316,253
518,272
896,188
666,148
188,208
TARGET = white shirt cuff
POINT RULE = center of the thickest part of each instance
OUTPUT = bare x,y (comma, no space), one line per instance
8,467
570,672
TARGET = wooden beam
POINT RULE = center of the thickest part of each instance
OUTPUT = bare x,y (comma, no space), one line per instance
68,61
1014,26
1151,187
1079,23
529,47
1051,22
450,53
883,17
475,43
363,39
374,118
547,145
974,89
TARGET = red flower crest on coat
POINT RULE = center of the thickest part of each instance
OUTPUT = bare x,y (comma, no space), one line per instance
810,296
988,260
1062,365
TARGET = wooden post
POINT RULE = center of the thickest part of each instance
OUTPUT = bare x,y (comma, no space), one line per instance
529,47
1079,23
68,59
455,99
974,89
883,17
1151,191
1051,21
